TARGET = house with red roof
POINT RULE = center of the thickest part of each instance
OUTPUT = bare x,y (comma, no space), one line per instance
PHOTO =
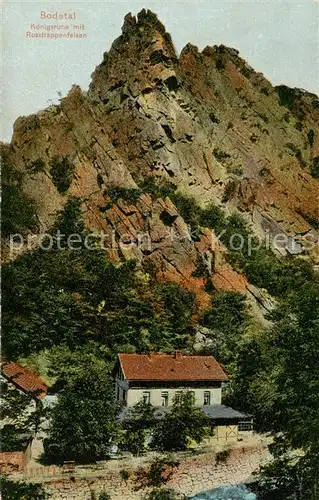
16,452
23,379
159,378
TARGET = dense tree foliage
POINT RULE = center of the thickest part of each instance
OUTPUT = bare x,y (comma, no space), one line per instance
18,211
183,424
19,424
275,376
72,296
21,418
79,306
137,428
83,422
13,490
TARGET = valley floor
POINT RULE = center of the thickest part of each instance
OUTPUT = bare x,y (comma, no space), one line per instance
199,470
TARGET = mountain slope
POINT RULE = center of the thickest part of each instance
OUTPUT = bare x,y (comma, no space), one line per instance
205,123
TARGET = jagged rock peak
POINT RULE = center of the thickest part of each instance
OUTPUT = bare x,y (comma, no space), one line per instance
144,18
189,48
143,55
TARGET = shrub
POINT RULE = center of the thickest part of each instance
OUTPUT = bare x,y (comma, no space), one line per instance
62,173
130,195
222,456
235,169
104,496
19,211
311,137
163,494
220,155
247,72
36,166
314,167
298,154
157,188
183,424
286,95
159,472
125,475
213,117
134,441
230,189
13,490
70,220
213,217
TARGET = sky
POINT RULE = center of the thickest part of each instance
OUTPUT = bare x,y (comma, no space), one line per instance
278,38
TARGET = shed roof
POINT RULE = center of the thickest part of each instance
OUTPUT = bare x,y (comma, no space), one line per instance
219,412
216,413
171,367
24,379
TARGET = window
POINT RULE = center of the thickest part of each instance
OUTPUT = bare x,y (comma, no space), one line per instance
192,394
124,397
178,395
206,398
146,398
164,398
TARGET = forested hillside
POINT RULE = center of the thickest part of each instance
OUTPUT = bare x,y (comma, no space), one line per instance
190,167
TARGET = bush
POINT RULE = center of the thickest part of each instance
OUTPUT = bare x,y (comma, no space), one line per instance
230,189
183,424
163,494
158,473
70,220
286,96
36,166
235,169
13,490
83,422
314,167
222,456
125,475
62,172
19,211
130,195
134,441
311,137
220,155
104,496
298,154
157,188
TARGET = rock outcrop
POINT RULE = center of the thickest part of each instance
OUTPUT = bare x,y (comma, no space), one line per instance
204,121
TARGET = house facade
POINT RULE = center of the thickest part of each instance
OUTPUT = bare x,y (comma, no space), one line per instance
159,378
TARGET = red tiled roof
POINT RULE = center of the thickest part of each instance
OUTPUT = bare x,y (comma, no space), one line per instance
171,367
24,379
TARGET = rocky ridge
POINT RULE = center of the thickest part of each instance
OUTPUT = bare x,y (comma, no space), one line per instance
205,122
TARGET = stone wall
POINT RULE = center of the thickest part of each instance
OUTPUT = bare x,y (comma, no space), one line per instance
11,460
15,460
194,474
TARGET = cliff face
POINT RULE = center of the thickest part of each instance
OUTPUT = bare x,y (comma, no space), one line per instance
204,121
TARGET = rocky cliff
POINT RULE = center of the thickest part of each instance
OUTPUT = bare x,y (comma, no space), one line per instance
204,122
